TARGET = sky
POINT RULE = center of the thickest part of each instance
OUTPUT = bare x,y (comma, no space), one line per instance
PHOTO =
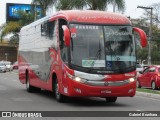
131,7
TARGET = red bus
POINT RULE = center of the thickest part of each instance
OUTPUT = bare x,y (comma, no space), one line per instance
80,54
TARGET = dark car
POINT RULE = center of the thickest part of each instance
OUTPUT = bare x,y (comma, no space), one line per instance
15,65
150,77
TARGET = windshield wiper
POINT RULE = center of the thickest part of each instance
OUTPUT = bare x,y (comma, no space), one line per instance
98,53
111,51
96,57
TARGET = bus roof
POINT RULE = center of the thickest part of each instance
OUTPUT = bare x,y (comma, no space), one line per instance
86,16
92,16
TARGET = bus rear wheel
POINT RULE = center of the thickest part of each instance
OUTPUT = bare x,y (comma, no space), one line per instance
29,87
58,95
111,99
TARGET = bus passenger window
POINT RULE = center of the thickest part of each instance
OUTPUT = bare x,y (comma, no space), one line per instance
44,29
54,35
51,26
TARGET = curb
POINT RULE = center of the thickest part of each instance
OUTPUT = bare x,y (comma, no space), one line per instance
148,95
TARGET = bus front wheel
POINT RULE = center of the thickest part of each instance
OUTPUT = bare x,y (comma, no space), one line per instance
58,95
111,99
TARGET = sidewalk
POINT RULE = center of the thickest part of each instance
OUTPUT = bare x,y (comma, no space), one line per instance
148,95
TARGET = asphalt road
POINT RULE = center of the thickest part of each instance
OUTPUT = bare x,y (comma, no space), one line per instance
14,97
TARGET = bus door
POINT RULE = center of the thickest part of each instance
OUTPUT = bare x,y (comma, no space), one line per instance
63,55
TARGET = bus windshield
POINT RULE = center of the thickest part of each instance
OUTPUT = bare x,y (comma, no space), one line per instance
106,48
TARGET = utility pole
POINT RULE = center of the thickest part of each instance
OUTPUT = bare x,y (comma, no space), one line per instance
114,6
150,33
6,54
35,12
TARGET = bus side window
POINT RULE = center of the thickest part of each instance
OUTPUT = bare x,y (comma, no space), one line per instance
54,35
51,29
44,29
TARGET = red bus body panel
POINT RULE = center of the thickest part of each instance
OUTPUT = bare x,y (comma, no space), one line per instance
90,16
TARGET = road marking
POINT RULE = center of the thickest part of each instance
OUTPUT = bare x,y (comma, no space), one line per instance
138,110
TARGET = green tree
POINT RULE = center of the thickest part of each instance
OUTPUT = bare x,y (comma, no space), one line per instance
155,15
44,4
13,27
26,18
142,54
90,4
144,23
14,40
1,29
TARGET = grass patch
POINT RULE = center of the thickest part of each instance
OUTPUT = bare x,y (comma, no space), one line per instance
146,90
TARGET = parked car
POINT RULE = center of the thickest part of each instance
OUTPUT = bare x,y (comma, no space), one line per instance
139,67
8,65
3,67
150,77
145,66
15,65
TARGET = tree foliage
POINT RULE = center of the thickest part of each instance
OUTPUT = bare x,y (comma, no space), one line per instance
144,23
26,18
14,40
89,4
13,27
156,14
120,4
1,29
44,4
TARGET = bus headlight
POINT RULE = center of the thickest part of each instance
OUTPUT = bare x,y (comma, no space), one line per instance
77,79
131,79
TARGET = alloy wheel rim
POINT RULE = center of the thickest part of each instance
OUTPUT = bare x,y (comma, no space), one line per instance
57,93
153,85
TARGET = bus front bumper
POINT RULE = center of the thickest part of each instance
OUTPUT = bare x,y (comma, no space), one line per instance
77,89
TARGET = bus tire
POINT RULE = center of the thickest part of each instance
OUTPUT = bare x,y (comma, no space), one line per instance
111,99
58,95
29,87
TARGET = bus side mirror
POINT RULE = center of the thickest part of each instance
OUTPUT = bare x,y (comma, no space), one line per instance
143,36
67,35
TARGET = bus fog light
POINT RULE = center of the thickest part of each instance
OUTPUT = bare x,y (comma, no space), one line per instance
131,90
